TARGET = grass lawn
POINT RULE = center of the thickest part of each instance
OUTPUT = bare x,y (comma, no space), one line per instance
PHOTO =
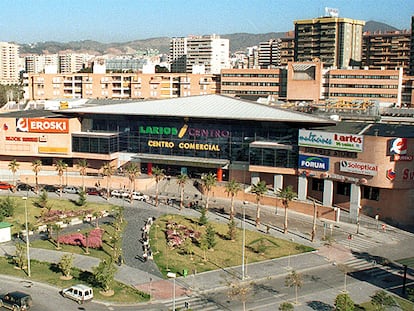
50,274
226,253
404,304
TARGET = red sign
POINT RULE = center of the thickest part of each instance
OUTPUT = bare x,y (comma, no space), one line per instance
46,125
408,174
391,174
24,139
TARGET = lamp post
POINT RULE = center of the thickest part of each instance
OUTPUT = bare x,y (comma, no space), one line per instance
172,275
244,239
27,238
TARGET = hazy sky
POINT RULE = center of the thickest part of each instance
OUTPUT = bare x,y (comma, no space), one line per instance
25,21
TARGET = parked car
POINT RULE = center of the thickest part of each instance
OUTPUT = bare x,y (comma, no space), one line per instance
80,293
116,193
139,196
16,301
92,191
24,187
49,188
70,189
5,186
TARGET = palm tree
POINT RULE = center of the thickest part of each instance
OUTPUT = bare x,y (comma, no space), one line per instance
294,279
61,166
13,167
37,166
181,181
82,165
209,181
232,188
286,195
259,190
158,173
132,171
108,170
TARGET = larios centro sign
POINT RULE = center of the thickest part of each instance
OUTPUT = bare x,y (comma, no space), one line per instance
358,168
38,125
185,130
327,140
313,162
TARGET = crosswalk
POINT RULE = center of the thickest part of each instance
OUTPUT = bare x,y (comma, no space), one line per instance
192,303
359,243
371,268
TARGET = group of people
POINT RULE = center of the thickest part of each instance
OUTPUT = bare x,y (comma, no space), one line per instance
145,239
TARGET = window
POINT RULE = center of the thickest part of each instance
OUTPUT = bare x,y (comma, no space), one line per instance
317,184
371,193
343,188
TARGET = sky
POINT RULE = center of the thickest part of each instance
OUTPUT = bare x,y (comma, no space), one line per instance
29,21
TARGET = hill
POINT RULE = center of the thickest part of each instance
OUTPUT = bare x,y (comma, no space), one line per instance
238,42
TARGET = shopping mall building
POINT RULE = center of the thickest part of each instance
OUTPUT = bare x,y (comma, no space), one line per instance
360,167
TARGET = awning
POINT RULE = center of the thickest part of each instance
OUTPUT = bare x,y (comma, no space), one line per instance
270,145
180,160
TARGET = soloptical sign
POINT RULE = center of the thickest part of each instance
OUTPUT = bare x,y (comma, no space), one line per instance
358,168
328,140
42,125
313,162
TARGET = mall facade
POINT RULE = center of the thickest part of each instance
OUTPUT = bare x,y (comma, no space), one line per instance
361,167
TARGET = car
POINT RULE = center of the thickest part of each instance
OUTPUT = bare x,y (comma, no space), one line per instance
49,188
24,187
139,196
116,193
92,191
16,301
70,189
6,186
79,293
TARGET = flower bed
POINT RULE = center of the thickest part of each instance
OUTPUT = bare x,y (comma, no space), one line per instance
177,234
79,239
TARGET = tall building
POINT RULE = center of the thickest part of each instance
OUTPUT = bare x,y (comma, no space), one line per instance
73,62
412,48
337,42
388,50
269,53
287,49
207,54
9,63
178,54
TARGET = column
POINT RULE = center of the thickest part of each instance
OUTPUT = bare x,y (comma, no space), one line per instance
278,182
327,192
302,188
149,168
219,174
255,179
354,202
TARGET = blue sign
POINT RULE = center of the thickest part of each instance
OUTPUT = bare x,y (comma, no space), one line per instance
313,162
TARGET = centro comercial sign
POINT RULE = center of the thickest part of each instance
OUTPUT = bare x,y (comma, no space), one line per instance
328,140
182,133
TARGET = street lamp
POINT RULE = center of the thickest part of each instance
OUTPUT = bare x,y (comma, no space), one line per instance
244,239
173,276
27,238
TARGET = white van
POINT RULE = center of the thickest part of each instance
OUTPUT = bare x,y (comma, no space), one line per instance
80,293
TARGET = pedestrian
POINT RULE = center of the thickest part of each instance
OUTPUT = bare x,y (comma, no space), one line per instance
145,256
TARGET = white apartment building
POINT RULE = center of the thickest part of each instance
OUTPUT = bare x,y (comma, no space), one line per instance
9,63
269,53
45,63
178,54
73,62
208,52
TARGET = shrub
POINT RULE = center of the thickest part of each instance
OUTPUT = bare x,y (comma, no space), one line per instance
78,239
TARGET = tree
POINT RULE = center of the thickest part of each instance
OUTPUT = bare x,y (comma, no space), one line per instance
104,274
209,181
20,256
240,291
231,229
232,188
210,237
66,264
259,190
344,303
7,207
61,166
204,247
81,198
286,306
181,181
381,300
57,228
13,167
108,170
36,167
132,170
43,201
203,218
82,165
286,195
188,247
158,174
294,279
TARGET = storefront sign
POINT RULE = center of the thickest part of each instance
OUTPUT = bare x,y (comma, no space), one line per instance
22,139
397,149
313,162
327,140
184,130
358,168
183,145
391,174
408,174
38,125
53,150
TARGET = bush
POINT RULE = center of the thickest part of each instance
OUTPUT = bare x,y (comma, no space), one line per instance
7,207
78,239
344,303
286,306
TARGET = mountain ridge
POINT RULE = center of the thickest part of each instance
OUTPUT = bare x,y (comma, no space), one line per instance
238,42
